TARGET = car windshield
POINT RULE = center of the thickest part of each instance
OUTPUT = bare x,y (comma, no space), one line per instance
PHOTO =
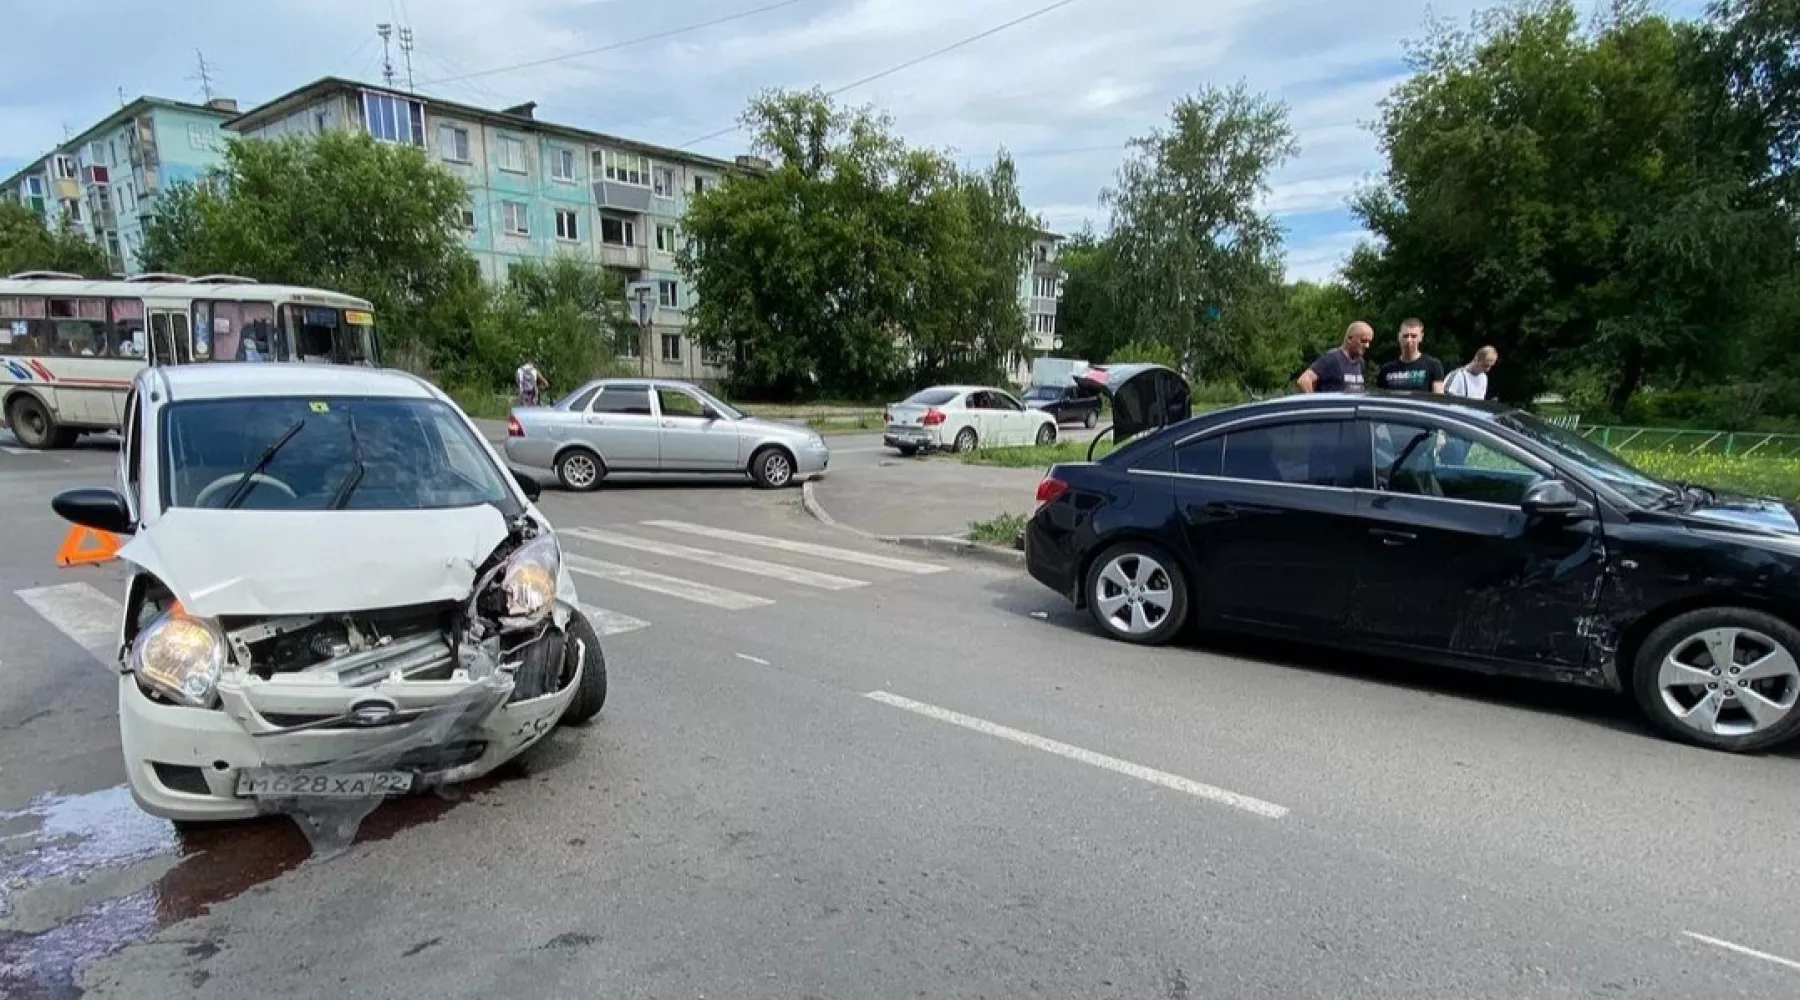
414,454
1635,485
930,397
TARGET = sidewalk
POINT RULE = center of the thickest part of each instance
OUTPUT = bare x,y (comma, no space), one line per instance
925,496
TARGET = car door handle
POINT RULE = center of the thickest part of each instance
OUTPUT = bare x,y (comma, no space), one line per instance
1389,536
1219,511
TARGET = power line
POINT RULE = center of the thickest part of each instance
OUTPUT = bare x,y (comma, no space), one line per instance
910,63
670,33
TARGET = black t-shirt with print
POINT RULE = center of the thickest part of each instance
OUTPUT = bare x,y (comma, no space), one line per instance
1417,375
1337,372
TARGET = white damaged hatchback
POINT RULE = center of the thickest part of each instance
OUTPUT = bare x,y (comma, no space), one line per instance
337,594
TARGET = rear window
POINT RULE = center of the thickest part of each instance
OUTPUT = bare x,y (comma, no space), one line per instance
624,399
931,397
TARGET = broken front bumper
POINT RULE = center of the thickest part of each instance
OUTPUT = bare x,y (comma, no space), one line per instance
184,763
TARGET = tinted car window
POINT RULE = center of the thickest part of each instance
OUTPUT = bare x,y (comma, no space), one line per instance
624,399
1412,459
1044,392
1200,458
582,399
930,397
1299,453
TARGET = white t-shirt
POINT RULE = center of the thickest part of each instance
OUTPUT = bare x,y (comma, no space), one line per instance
1463,382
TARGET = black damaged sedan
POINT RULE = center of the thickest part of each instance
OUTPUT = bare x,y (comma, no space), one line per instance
1465,534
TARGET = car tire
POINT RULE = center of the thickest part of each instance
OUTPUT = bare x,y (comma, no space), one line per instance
1141,563
1690,637
590,697
580,470
908,450
33,426
772,468
966,440
1046,435
1090,420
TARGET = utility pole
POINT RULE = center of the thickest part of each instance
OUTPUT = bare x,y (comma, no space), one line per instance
386,31
406,47
204,75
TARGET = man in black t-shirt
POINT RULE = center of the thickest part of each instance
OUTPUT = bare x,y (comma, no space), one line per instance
1341,368
1414,371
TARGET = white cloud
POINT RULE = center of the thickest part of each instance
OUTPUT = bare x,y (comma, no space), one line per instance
1320,258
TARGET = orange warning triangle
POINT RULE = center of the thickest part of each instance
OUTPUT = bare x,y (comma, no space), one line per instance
85,546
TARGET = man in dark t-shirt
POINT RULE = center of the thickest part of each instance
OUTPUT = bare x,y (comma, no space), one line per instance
1414,371
1341,368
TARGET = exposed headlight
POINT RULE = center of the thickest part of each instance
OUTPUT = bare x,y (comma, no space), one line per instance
181,658
529,582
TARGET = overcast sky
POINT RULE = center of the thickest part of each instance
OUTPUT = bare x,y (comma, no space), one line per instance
1062,91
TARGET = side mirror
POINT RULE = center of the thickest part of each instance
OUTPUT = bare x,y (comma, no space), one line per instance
710,414
96,507
529,485
1554,498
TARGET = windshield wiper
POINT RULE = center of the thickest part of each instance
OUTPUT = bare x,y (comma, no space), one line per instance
356,468
242,489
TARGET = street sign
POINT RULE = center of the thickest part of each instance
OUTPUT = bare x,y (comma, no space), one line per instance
638,299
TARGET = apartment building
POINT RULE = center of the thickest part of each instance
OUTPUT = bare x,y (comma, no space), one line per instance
1040,291
537,189
105,181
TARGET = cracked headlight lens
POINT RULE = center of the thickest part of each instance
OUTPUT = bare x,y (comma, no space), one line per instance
180,657
529,582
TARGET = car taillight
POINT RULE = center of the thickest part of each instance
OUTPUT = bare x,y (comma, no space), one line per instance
933,417
513,428
1049,488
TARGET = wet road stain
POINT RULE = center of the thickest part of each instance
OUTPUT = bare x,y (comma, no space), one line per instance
78,835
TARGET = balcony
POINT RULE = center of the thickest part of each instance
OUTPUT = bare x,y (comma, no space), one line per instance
622,197
633,258
1046,307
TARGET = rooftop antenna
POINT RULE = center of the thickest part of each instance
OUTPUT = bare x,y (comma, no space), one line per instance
204,75
122,100
406,47
386,31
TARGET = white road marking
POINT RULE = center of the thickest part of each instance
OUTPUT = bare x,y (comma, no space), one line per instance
672,586
755,567
611,622
1138,771
16,451
81,612
759,661
801,548
1740,949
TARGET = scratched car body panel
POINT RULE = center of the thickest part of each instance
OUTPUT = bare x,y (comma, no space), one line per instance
1439,530
376,610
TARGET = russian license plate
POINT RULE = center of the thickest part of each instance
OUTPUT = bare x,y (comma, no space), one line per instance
262,783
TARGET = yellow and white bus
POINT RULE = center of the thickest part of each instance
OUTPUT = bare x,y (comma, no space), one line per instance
70,346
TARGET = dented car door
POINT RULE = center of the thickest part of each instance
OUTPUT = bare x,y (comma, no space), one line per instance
1452,563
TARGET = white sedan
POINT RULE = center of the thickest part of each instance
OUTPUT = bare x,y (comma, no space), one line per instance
337,594
963,418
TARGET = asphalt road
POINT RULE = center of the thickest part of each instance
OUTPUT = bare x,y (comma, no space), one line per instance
934,784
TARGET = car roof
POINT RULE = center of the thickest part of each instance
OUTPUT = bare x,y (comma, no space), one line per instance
250,379
1424,402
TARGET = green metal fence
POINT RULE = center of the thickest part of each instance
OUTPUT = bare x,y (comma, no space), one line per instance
1738,444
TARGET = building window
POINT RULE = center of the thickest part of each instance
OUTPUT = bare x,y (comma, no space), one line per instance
699,185
1045,287
566,228
664,185
1043,323
665,239
617,232
515,217
625,168
393,119
65,167
321,121
468,217
453,143
512,154
671,348
562,165
630,344
667,295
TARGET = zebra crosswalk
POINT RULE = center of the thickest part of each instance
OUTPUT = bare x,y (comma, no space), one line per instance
735,571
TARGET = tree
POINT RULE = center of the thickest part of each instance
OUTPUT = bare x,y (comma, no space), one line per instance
27,244
854,263
1189,245
1558,193
1087,318
340,211
566,313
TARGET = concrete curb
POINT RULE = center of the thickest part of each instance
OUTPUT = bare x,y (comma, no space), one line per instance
948,544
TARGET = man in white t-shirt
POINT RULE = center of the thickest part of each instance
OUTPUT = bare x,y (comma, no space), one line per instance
1470,381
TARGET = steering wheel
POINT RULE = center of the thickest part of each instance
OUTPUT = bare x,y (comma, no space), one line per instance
230,480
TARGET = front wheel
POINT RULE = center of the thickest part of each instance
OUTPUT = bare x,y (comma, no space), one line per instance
1136,592
1090,420
590,697
771,468
1046,435
1722,678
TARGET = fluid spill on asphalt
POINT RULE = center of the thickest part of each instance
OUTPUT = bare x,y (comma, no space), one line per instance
76,836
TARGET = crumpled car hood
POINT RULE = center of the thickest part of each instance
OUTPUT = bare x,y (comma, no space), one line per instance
254,562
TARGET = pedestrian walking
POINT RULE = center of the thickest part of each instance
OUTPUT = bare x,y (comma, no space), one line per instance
529,381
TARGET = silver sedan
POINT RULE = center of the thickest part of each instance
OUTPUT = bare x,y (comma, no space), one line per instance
657,427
